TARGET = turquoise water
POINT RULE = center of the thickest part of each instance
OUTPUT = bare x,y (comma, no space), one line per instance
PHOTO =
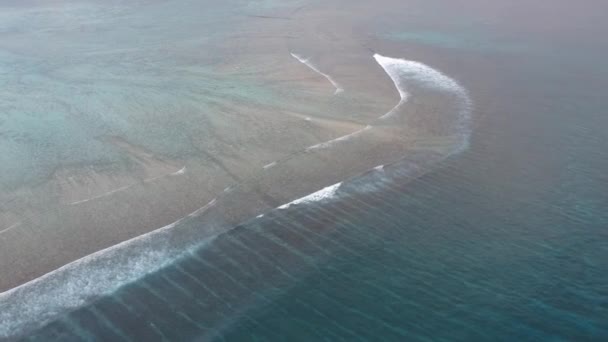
74,73
506,241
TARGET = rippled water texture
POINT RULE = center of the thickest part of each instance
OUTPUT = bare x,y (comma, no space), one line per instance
504,240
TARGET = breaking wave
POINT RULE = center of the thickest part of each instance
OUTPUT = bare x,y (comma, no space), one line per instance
73,285
405,73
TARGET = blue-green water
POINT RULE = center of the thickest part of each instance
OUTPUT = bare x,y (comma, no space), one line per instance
75,72
505,241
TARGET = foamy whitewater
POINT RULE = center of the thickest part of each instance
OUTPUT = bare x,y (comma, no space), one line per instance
342,138
307,62
323,194
269,165
14,225
39,301
403,72
71,286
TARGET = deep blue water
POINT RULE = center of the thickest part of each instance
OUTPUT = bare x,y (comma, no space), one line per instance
506,241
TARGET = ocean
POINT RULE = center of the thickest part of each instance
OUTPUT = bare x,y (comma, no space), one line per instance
505,239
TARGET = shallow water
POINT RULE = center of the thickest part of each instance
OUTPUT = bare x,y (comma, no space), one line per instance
76,72
504,241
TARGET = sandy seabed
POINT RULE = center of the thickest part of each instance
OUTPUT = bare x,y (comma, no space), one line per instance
316,106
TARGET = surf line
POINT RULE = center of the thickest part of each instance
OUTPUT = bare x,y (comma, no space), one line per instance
269,165
21,304
307,62
342,138
14,225
400,71
176,173
388,65
123,188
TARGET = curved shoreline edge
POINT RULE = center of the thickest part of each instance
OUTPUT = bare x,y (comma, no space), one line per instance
34,303
400,70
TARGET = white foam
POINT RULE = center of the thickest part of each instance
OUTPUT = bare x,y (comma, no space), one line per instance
268,166
179,172
102,272
403,71
323,194
14,225
111,192
342,138
71,286
307,62
202,209
379,168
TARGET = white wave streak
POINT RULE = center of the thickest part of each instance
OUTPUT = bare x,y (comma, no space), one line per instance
179,172
342,138
202,209
307,62
36,302
105,194
14,225
402,71
268,166
111,192
323,194
176,173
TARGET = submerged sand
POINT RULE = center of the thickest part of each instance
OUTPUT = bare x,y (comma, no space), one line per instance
249,157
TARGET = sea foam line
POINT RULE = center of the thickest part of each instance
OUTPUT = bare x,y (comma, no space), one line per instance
342,138
14,225
38,301
105,194
126,187
307,62
403,71
42,299
179,172
323,194
269,165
